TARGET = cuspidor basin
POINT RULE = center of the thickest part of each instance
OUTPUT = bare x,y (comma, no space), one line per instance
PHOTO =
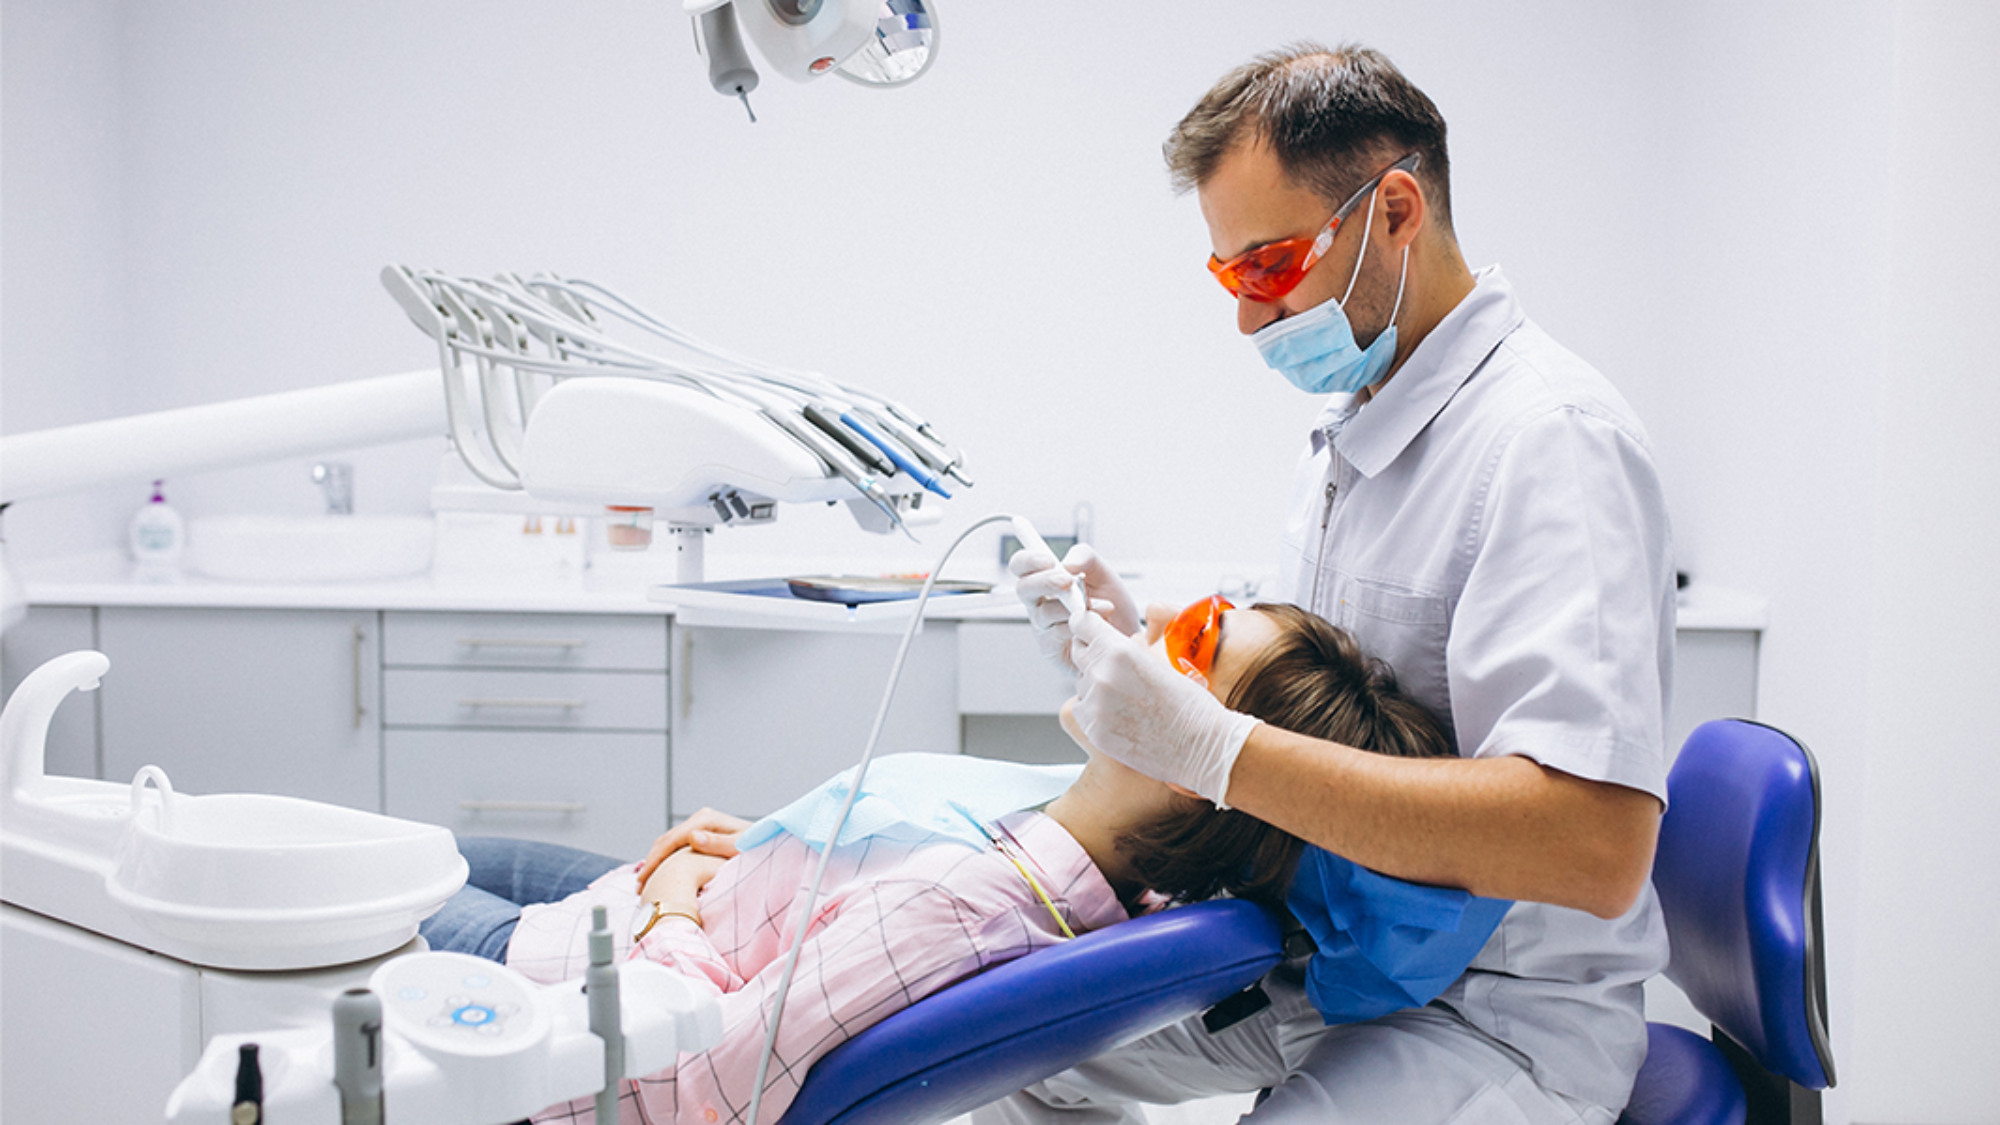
256,881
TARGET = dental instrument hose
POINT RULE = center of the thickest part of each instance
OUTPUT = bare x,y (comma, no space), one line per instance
805,913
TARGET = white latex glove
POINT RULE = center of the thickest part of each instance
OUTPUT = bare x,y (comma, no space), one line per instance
1039,578
1135,707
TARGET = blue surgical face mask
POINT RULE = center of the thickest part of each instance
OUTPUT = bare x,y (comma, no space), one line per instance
1315,349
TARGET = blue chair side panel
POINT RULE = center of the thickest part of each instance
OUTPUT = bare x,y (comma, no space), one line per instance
948,1088
1024,1020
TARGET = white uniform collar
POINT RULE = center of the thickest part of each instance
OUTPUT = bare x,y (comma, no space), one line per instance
1372,439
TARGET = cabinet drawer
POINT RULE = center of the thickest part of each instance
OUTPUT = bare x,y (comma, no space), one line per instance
1002,672
499,698
606,793
525,640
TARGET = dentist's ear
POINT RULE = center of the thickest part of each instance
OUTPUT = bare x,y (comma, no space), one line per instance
1405,209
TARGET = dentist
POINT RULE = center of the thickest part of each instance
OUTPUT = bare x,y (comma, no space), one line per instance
1477,506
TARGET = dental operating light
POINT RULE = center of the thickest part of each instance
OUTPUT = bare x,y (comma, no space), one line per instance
878,43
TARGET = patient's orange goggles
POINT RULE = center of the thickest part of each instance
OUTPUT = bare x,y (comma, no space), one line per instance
1192,635
1274,269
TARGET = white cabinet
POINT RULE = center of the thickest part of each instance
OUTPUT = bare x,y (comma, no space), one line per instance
105,1045
762,715
1715,677
539,726
1009,694
245,700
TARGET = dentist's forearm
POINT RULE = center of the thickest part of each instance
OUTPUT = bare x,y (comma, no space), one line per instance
1503,827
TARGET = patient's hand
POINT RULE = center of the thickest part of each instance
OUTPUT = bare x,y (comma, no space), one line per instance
707,832
678,880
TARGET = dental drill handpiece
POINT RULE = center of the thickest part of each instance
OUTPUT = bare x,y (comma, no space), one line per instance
1073,598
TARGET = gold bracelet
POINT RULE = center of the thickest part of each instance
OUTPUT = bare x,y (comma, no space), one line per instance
660,912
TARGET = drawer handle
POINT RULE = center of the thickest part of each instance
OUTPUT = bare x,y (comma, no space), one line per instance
564,807
521,642
359,710
542,704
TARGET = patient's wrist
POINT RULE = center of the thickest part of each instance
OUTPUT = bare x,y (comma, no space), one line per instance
685,909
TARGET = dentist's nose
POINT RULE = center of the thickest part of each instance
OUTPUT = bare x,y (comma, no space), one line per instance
1253,315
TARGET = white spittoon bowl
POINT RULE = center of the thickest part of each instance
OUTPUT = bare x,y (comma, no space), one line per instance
255,881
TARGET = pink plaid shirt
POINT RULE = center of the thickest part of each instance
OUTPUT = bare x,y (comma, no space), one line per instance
895,922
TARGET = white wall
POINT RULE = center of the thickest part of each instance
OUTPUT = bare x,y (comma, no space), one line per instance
1929,877
1762,221
63,246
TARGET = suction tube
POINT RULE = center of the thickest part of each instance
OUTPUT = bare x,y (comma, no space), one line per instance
357,1056
600,984
811,901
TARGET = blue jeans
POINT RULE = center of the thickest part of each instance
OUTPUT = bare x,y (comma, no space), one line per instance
506,875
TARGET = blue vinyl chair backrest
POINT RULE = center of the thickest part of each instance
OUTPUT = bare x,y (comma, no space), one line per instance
1021,1022
1737,873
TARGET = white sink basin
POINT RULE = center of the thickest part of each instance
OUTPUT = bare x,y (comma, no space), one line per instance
310,548
233,880
258,881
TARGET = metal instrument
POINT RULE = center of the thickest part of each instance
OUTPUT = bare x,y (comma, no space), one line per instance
542,398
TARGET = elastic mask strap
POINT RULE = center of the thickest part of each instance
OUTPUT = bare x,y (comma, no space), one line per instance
1398,310
1366,226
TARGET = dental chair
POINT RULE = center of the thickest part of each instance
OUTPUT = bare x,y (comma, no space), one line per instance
1016,1024
1738,877
1737,873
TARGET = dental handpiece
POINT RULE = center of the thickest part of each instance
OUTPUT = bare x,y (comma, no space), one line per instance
1073,598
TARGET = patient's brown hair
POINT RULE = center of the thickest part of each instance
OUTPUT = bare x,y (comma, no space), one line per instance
1314,680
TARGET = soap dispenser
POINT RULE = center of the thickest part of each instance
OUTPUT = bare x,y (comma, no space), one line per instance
157,531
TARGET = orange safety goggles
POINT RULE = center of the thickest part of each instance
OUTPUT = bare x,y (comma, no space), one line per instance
1192,635
1274,269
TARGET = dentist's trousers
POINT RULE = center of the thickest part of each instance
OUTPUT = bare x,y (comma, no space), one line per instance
1416,1067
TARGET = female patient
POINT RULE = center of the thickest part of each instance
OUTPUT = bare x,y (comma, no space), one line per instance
926,891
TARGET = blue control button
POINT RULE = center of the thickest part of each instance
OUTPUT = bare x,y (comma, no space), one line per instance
477,981
473,1015
412,993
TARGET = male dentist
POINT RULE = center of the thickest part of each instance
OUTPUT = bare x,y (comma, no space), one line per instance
1479,507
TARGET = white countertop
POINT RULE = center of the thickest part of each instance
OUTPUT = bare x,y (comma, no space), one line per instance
108,578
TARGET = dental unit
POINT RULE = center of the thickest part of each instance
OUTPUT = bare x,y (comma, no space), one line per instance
246,917
276,909
278,885
544,401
